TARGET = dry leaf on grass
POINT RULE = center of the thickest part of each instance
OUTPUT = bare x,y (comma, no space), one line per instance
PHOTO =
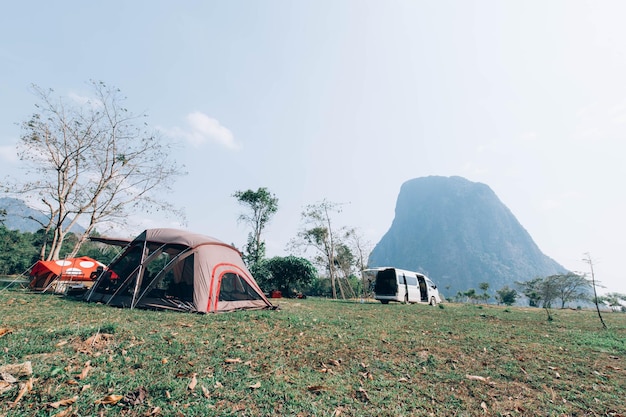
8,378
255,386
136,397
4,331
483,405
479,378
361,394
85,371
153,412
63,403
110,399
5,386
24,388
205,392
18,369
193,383
65,413
235,360
238,407
316,388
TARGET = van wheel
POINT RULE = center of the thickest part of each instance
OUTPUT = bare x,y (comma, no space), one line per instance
406,298
384,301
433,301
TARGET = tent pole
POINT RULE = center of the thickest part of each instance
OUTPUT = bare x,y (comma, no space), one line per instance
139,275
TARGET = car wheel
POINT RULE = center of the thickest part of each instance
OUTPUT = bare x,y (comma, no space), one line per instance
406,298
433,301
384,301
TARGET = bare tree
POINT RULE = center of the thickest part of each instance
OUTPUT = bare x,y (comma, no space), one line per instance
588,260
92,162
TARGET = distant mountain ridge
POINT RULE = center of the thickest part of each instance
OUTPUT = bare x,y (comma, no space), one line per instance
24,218
460,234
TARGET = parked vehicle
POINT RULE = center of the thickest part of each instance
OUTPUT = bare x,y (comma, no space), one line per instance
393,284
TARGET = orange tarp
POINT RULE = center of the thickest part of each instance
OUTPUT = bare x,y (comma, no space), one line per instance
73,269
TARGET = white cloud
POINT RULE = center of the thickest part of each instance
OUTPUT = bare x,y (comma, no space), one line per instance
202,129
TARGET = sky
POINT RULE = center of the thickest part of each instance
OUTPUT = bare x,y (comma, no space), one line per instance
345,100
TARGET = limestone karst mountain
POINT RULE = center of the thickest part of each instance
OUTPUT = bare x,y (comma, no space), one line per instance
460,234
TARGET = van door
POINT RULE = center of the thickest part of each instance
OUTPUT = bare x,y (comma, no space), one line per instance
403,288
423,289
412,288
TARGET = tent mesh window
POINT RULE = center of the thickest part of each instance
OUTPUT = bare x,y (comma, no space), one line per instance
178,281
234,288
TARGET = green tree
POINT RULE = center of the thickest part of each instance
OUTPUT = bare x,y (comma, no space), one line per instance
484,287
18,251
92,162
318,233
470,295
563,287
534,291
506,295
286,274
262,206
571,287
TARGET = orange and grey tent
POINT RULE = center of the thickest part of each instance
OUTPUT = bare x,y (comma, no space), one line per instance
45,273
178,270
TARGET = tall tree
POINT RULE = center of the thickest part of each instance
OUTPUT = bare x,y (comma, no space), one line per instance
318,233
484,286
588,260
262,206
92,162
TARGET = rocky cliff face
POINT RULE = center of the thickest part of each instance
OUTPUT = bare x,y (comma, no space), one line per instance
460,234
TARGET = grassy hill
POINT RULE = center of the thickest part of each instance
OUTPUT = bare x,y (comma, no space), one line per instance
313,357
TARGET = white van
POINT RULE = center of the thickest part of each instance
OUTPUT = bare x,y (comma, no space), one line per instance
393,284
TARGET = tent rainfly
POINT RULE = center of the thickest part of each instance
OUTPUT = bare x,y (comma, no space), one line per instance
45,274
177,270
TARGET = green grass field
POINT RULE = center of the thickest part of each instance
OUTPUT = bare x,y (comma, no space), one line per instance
313,357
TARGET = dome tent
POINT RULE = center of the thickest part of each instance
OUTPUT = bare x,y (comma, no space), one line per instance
178,270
